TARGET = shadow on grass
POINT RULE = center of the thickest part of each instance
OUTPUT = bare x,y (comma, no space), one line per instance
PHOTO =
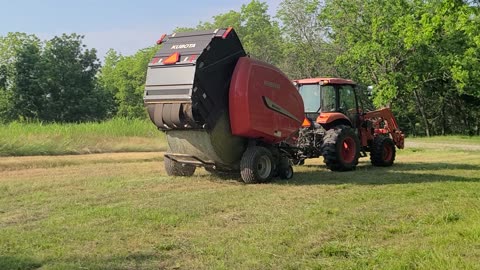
137,260
401,173
14,263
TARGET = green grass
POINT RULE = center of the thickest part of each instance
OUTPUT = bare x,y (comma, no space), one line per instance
120,211
118,135
449,139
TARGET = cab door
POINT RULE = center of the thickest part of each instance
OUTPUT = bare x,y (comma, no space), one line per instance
347,103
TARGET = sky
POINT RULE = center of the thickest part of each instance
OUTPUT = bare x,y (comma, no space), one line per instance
123,25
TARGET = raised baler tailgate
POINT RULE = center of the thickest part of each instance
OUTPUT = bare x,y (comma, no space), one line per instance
187,80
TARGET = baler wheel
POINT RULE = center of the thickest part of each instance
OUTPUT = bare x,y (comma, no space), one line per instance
256,165
286,173
341,149
175,168
382,152
285,169
299,162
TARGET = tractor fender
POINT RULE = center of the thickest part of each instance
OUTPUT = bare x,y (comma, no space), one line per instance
330,119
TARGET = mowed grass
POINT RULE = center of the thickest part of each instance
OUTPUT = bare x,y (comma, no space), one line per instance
117,135
121,211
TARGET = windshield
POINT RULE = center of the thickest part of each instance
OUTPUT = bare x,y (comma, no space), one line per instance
311,97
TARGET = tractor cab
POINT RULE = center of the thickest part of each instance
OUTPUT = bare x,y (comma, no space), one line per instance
330,101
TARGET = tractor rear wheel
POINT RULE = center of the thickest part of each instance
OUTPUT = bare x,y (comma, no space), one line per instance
256,165
341,149
175,168
382,152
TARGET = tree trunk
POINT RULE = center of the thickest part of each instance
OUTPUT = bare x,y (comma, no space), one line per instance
478,127
422,112
444,119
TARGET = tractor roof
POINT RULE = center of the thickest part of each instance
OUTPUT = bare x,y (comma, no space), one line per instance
324,81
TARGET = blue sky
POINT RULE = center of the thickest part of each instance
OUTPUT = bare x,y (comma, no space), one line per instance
125,26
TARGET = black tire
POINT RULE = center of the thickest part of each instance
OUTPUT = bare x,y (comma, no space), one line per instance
174,168
285,169
286,173
298,162
382,152
257,165
341,149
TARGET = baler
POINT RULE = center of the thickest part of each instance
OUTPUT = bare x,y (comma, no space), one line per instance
221,109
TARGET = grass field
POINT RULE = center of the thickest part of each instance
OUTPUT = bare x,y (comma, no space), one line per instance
120,211
117,135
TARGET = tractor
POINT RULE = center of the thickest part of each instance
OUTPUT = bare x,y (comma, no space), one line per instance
341,126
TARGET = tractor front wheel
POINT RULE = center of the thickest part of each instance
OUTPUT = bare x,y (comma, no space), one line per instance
285,169
341,149
256,165
382,152
175,168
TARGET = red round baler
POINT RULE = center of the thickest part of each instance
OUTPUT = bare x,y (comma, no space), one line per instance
221,109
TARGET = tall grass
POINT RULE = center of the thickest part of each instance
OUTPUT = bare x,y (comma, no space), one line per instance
117,135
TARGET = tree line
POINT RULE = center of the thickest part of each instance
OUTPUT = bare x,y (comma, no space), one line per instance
421,56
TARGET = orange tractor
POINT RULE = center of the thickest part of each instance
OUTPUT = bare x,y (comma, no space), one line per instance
341,126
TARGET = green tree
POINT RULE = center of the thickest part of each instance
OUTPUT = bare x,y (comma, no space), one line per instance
124,77
69,81
29,97
11,47
260,34
421,55
307,52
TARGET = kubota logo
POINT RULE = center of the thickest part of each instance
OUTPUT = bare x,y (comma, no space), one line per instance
183,46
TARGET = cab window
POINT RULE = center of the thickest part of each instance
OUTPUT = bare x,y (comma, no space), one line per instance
311,97
328,99
347,99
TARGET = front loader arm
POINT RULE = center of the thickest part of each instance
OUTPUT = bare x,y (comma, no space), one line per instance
390,125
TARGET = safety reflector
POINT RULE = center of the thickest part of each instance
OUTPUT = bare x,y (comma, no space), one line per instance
160,41
172,59
306,123
155,60
225,35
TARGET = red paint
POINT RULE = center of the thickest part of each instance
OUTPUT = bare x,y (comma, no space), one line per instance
387,152
329,117
155,60
348,151
249,115
225,35
160,41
